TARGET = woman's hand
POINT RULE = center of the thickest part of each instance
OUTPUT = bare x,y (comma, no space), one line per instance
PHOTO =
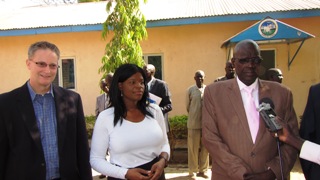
157,169
138,174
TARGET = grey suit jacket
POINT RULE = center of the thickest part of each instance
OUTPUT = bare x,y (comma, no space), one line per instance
101,104
226,133
21,152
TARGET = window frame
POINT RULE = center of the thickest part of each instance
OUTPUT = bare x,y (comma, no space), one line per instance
145,58
60,73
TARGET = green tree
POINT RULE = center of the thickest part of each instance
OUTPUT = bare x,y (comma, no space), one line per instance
129,27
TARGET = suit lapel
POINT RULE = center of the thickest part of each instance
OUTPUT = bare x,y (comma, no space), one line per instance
153,81
264,91
237,104
61,107
25,106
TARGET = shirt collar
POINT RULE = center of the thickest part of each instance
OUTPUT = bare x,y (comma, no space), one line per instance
33,94
149,83
242,86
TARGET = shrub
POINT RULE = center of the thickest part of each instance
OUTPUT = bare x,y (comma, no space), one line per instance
90,120
178,125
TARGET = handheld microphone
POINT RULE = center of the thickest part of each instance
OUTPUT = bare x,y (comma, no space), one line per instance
268,115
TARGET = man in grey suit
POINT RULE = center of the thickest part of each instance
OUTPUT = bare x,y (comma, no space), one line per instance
229,69
232,131
103,100
42,126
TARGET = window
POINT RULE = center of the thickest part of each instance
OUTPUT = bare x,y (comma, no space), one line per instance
65,75
155,60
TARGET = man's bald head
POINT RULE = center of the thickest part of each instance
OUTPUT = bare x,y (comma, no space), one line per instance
149,71
246,46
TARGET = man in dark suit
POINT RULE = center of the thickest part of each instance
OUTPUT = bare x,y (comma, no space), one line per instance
42,126
160,89
310,130
232,131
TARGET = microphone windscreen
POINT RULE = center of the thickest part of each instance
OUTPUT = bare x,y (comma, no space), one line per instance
267,101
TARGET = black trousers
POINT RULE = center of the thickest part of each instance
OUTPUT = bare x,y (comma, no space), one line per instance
146,166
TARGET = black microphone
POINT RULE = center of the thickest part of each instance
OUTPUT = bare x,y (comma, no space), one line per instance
268,115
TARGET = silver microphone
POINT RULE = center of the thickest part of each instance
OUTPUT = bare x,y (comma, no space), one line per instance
268,115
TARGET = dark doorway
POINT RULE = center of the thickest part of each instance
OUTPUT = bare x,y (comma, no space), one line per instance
268,62
155,60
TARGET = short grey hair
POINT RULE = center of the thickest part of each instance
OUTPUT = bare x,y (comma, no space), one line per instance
43,45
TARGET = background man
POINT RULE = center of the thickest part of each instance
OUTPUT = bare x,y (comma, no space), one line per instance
197,161
42,126
233,133
274,74
229,72
310,129
159,88
103,100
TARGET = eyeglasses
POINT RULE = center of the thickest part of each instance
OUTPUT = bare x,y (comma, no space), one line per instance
44,65
255,60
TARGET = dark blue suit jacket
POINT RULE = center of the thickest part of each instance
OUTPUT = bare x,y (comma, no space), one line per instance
310,130
21,152
160,88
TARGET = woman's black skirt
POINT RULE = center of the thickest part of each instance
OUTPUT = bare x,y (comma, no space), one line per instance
147,167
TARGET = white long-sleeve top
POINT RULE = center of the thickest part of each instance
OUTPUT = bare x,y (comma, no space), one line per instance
310,151
129,144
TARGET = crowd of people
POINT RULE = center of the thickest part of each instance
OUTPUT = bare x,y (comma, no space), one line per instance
43,132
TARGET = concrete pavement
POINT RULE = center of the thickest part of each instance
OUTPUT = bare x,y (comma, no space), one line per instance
173,172
180,172
178,166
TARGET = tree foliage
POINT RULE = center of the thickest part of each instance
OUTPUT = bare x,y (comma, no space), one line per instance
128,25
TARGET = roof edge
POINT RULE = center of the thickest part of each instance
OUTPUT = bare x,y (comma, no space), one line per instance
162,23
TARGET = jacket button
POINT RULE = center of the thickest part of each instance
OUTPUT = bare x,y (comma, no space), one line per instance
252,154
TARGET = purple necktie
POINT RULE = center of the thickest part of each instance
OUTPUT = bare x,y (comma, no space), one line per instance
252,114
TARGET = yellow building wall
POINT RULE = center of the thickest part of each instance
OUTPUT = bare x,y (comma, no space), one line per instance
184,49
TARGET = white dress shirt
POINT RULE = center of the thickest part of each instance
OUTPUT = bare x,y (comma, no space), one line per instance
310,151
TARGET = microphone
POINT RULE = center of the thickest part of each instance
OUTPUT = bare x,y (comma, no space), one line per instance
268,115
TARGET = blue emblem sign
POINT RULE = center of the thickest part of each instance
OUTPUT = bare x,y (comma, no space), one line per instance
268,28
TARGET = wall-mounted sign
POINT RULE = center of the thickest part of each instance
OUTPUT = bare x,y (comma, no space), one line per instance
268,28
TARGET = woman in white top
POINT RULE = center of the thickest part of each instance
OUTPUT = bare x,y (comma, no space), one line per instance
132,130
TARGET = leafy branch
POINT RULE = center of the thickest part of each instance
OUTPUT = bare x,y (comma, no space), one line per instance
128,25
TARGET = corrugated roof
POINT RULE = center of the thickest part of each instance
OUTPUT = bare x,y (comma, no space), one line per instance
171,9
54,15
154,10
